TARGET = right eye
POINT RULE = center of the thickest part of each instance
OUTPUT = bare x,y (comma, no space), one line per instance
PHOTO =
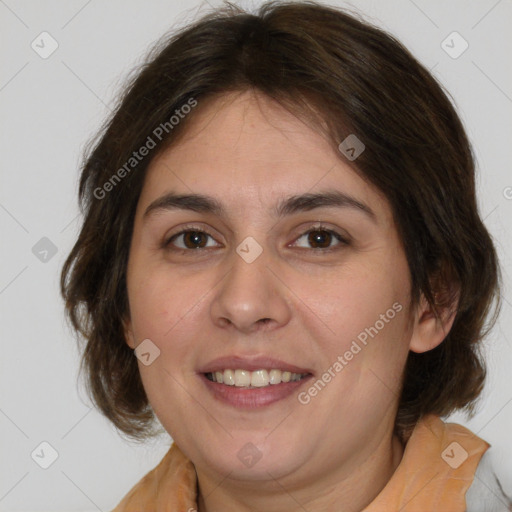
189,239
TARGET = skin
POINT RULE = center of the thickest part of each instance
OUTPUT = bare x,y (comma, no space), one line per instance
338,451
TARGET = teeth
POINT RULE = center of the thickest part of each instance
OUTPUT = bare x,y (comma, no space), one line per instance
242,378
229,377
275,376
260,378
256,379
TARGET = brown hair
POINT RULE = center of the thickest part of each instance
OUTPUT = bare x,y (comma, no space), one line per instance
347,77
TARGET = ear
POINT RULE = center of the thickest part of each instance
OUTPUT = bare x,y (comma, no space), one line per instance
128,333
429,329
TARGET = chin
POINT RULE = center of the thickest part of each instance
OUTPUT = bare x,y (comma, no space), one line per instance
246,458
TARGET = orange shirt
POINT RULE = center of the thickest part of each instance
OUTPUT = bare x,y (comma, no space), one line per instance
436,470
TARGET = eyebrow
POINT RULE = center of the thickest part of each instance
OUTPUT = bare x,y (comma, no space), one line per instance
289,206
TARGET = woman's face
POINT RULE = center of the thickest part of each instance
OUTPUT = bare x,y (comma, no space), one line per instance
292,264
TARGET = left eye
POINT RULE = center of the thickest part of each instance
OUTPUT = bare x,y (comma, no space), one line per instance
321,239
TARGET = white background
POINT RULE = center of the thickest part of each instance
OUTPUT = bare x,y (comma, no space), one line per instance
51,107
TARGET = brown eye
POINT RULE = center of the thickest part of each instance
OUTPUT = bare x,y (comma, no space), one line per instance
321,239
194,239
190,239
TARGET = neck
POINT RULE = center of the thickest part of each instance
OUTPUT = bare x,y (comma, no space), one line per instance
348,489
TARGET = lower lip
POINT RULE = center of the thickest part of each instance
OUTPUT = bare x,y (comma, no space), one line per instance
253,398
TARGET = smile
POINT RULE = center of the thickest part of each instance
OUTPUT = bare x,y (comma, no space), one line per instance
253,379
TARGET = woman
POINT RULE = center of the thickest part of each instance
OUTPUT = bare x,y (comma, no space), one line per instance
281,225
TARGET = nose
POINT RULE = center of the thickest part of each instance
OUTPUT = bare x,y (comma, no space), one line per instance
250,297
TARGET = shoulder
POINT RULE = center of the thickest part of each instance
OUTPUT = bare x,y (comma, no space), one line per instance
172,482
486,493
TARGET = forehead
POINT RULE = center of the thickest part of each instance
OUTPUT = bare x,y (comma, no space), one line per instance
246,149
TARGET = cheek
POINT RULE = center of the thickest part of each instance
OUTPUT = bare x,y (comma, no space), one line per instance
166,310
161,300
360,314
169,309
353,299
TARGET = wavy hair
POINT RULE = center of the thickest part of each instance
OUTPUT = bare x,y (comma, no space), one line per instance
344,76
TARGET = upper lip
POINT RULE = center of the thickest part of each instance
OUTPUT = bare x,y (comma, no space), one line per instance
250,363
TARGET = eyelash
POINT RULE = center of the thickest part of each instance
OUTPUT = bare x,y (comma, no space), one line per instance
192,229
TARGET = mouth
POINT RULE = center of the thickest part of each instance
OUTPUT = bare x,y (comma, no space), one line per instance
252,382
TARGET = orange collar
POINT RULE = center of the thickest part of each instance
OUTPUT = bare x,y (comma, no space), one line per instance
436,470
